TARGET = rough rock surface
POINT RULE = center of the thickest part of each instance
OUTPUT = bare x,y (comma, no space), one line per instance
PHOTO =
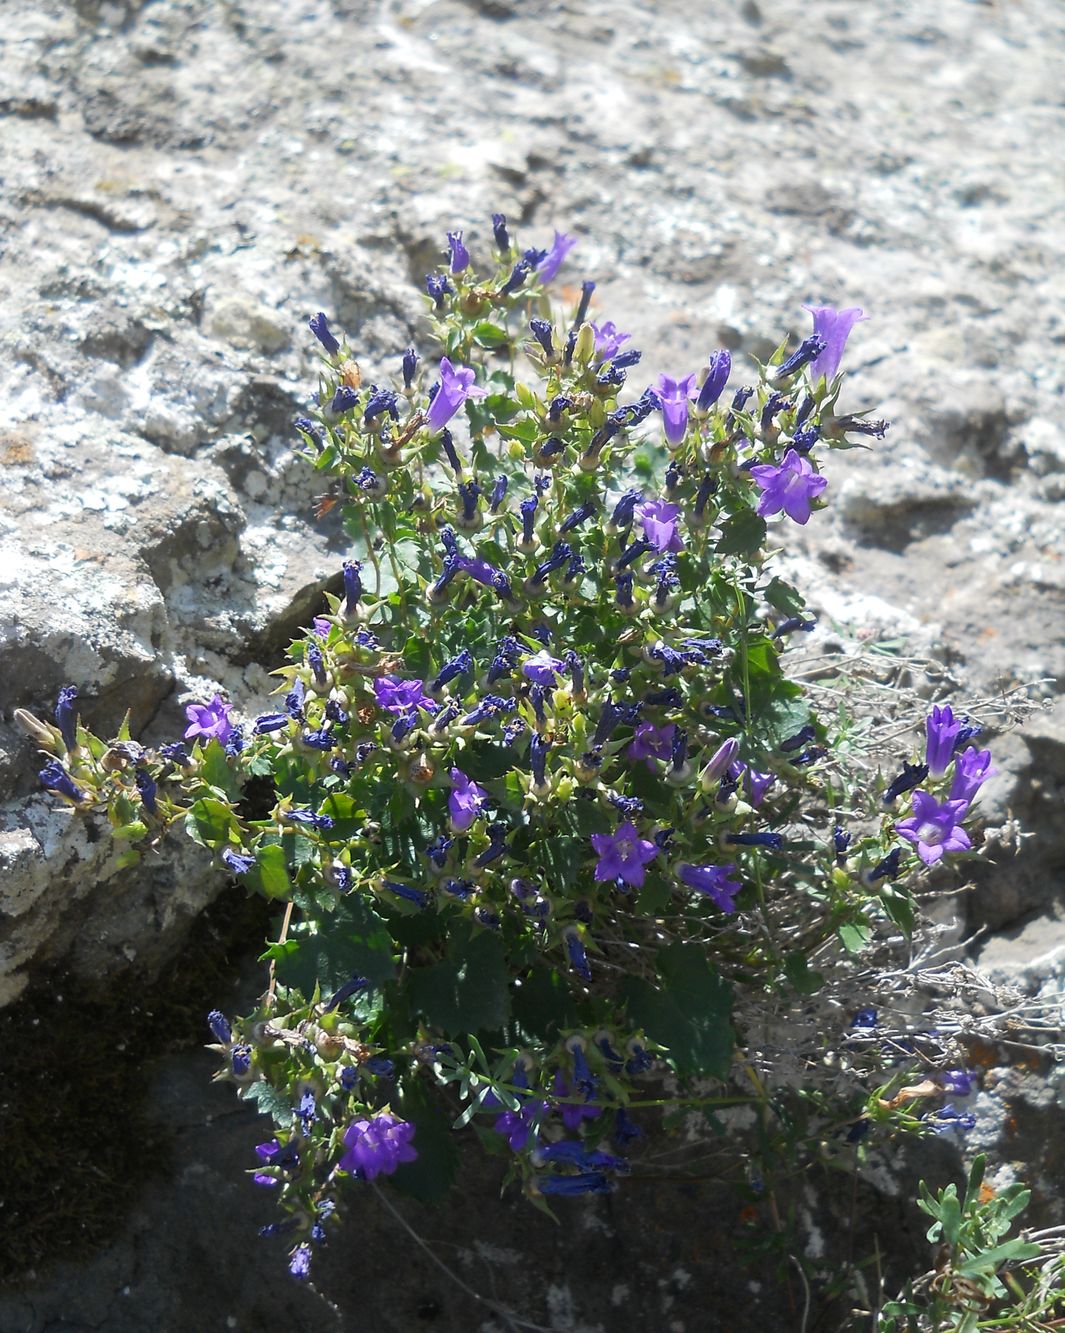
186,181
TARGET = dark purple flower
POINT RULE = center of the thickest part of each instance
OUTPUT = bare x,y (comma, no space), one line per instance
465,800
457,383
864,1018
716,378
307,818
66,716
410,361
971,770
147,786
344,400
582,512
499,233
319,326
941,730
499,490
623,855
808,350
459,255
582,307
659,520
674,398
219,1025
912,775
299,1263
934,828
589,1182
376,1146
210,720
949,1117
835,327
958,1082
542,332
651,743
401,697
608,339
756,785
790,487
436,284
714,881
553,260
270,722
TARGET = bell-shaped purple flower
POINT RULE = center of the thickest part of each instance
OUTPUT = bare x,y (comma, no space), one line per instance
714,881
934,829
835,327
608,339
376,1146
623,855
651,743
210,720
550,264
659,520
674,398
971,770
402,697
791,487
941,731
457,383
542,669
458,254
465,800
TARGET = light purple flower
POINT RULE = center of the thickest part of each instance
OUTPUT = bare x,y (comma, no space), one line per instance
790,487
211,721
377,1146
756,785
835,327
465,800
971,770
542,669
675,397
719,762
608,339
623,855
941,730
958,1082
321,626
714,881
934,828
552,261
457,383
659,520
651,743
402,696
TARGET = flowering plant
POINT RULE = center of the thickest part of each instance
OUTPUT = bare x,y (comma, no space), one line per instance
547,808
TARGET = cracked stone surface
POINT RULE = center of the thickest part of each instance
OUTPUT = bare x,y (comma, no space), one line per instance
186,181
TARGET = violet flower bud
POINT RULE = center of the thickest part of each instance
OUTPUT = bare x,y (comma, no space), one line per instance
447,443
500,234
716,378
808,350
410,361
582,309
352,586
147,787
499,490
319,326
542,332
66,716
437,285
459,255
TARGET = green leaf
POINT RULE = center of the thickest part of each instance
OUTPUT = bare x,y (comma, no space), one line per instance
217,771
466,991
743,534
209,821
854,936
655,897
784,598
802,977
989,1260
271,1102
273,873
342,810
430,1177
489,335
543,1004
688,1013
354,942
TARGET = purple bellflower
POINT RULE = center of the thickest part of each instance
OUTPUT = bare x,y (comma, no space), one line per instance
659,520
934,828
623,855
553,260
458,254
675,399
319,326
651,743
402,697
457,383
790,487
465,801
377,1146
756,785
210,720
716,378
941,730
714,881
54,777
542,669
608,339
835,327
972,769
66,716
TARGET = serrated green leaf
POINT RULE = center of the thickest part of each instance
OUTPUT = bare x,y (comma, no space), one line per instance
209,822
742,535
353,941
688,1012
467,991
